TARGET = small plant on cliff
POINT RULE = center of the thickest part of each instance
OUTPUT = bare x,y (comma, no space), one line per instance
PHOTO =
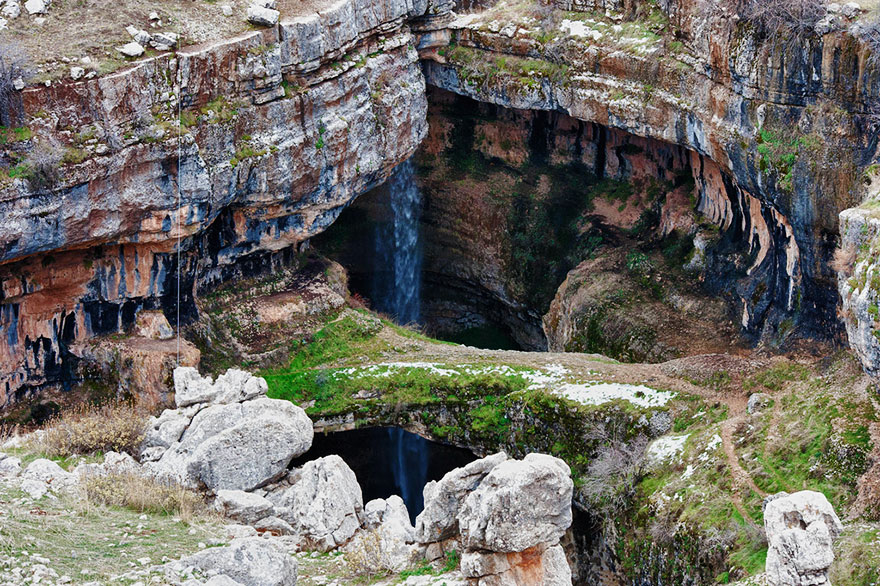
612,477
42,167
786,20
13,68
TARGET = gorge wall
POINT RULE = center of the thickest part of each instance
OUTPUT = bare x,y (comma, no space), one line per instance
272,133
278,130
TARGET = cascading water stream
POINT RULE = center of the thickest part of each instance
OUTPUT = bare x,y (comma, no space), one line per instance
397,286
397,292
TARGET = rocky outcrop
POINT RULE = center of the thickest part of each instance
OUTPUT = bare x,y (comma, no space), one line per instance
509,516
800,529
211,162
225,435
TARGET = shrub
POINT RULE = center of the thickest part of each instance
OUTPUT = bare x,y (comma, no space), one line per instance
614,473
365,555
142,494
780,19
43,167
13,66
116,427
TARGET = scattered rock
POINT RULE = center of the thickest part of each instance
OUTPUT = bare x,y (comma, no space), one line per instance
139,35
11,9
18,83
245,507
322,501
262,16
800,529
9,466
77,73
132,49
227,10
252,561
36,6
231,387
154,16
758,402
444,498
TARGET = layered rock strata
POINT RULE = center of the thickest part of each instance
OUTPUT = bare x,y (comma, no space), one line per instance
208,163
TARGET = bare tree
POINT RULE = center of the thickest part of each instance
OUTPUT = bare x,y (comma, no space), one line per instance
44,167
13,68
616,469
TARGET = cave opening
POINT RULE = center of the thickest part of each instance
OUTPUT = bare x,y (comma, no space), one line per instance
390,460
538,231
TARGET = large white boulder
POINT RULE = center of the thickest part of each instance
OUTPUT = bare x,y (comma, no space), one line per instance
444,498
519,505
800,530
322,501
250,561
242,506
9,466
543,565
239,446
48,472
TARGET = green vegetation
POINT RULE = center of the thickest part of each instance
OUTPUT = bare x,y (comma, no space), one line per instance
11,135
485,68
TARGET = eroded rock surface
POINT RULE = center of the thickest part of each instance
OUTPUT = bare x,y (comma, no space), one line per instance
800,530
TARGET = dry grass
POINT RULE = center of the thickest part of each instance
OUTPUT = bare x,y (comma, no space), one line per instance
143,495
87,429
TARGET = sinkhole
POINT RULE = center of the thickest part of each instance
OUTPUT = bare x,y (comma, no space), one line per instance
390,460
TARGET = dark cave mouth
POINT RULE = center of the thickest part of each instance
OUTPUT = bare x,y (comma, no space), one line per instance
389,461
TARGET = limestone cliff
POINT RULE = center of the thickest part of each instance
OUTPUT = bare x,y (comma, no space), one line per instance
777,132
213,161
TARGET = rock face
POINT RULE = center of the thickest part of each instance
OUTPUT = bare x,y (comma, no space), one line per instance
262,167
227,436
510,514
321,501
800,529
780,203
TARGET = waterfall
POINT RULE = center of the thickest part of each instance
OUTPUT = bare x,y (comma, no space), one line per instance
409,468
397,282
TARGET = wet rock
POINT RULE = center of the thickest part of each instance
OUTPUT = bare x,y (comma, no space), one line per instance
322,501
444,498
800,530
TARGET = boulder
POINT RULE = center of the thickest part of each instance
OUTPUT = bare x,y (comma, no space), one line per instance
132,49
322,501
800,529
250,561
36,6
153,325
444,498
114,463
34,488
11,9
386,522
262,16
139,35
758,402
9,466
239,446
48,472
164,41
245,507
520,504
77,73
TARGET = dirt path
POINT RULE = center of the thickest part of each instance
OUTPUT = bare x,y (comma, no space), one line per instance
741,478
